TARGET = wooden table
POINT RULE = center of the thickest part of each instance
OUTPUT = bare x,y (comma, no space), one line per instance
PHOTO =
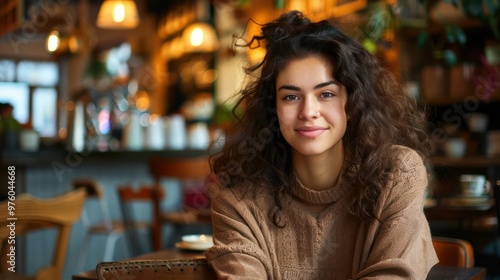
455,273
436,273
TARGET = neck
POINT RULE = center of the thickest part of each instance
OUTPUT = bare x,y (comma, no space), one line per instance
319,172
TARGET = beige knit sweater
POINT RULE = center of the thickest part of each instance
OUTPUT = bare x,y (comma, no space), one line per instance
331,244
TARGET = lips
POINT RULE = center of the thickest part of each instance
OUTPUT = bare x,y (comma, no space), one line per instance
310,131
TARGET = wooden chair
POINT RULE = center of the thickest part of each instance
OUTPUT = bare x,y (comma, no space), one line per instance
33,214
103,226
187,171
453,252
185,269
128,197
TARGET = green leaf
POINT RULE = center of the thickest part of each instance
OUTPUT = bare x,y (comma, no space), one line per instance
280,4
460,35
450,57
422,39
370,46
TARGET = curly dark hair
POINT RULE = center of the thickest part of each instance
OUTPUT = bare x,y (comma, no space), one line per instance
380,115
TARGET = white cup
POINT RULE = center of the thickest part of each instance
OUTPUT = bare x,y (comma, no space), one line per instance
29,140
454,147
199,137
134,139
177,138
155,134
474,185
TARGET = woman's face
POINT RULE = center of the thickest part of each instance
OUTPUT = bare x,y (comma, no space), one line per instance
310,105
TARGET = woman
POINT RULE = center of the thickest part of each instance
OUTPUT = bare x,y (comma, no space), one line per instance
323,176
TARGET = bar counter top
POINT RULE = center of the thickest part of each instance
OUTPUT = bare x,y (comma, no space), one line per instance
48,155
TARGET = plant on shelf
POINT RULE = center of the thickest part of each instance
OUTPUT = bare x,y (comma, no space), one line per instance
377,31
453,15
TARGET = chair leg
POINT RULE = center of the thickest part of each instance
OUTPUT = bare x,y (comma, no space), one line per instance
110,247
126,246
82,253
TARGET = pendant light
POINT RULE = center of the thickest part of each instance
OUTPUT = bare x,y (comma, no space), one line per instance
118,14
200,37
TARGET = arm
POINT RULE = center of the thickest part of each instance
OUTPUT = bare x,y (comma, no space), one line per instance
236,253
402,248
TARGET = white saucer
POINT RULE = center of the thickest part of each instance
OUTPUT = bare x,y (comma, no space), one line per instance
194,246
197,238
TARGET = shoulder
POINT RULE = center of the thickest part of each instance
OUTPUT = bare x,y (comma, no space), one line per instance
409,169
406,188
406,157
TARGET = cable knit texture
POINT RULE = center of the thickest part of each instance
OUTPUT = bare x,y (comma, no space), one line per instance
331,244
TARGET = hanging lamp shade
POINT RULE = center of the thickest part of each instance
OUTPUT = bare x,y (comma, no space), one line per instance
200,37
118,14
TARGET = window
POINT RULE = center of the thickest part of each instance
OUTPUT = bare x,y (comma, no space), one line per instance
26,81
17,94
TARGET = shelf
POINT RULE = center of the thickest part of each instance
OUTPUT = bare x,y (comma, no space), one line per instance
46,157
466,162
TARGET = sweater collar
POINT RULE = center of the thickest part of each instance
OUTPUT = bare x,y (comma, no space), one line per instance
318,197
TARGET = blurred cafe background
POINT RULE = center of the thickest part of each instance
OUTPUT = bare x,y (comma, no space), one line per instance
95,90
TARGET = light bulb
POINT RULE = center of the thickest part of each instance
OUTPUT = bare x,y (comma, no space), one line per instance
119,12
53,41
196,37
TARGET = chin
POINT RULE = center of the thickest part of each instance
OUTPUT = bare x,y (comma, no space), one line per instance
311,152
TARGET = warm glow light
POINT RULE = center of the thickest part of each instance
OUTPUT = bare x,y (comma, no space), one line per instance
199,37
53,41
118,14
74,44
142,100
196,37
62,133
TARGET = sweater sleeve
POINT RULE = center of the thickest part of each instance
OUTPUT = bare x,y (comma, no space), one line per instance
402,245
237,252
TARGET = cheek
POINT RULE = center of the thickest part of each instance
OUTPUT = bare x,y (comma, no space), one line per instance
285,116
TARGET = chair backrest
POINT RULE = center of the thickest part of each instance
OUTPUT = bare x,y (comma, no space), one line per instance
128,196
193,174
34,213
184,168
453,252
95,192
185,269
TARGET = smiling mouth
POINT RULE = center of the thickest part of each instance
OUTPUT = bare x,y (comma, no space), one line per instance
310,132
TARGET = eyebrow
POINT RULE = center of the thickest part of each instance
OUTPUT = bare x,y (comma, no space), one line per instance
290,87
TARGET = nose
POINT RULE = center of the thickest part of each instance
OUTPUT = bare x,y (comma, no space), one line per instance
310,108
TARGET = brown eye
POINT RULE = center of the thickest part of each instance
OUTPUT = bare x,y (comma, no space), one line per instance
290,97
327,94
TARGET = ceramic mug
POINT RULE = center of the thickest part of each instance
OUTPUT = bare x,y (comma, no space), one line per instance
454,147
474,185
